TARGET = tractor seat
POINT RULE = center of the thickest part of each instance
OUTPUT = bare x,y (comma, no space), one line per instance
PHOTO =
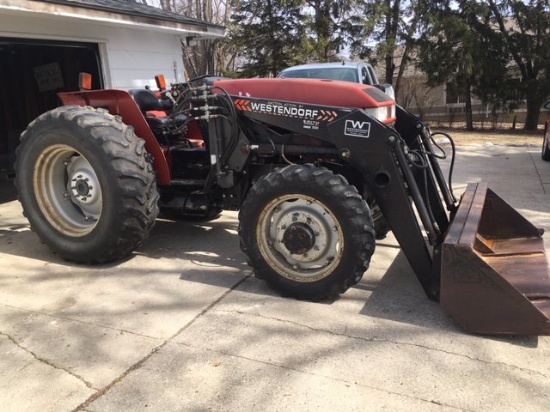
148,101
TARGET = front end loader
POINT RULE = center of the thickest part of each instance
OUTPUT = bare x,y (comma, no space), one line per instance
317,170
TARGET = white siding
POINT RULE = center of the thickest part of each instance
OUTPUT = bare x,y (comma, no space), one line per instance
130,56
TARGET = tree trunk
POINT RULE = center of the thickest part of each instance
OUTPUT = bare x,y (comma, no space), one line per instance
409,44
392,26
534,104
468,106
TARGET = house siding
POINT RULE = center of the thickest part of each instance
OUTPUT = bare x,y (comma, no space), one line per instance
130,56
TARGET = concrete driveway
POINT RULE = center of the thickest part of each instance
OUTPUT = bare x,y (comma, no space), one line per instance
183,326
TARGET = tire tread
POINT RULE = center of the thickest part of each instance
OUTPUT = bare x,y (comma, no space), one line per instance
126,155
361,224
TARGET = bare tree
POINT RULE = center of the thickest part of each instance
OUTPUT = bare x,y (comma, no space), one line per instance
207,56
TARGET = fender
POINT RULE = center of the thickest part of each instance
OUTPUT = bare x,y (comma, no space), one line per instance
121,103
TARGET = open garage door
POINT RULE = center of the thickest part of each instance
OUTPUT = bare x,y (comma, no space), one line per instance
32,72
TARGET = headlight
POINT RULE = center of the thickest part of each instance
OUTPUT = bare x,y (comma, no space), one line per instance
384,114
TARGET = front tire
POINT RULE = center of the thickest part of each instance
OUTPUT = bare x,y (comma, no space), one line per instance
306,232
85,184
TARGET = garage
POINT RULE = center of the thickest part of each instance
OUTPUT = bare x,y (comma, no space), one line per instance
44,45
33,72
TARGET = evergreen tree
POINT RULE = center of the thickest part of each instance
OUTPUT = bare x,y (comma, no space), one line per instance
494,82
469,44
447,52
461,49
525,29
327,27
269,35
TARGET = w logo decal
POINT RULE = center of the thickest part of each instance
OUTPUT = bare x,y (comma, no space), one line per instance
357,128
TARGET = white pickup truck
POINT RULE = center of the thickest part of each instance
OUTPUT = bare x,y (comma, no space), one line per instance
355,72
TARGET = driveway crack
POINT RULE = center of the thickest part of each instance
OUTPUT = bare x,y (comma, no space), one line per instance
140,363
333,378
47,362
396,342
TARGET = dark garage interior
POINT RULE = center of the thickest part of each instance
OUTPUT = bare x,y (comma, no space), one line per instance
32,73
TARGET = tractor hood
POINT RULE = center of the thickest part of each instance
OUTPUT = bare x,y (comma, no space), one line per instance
317,92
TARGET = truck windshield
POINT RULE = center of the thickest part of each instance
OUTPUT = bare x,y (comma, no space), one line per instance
346,74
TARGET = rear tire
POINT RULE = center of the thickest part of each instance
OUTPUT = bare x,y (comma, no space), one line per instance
545,144
306,232
85,184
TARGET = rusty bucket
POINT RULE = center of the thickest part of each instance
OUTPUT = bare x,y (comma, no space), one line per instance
494,270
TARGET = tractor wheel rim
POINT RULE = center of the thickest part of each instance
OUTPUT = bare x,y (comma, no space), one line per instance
300,238
67,190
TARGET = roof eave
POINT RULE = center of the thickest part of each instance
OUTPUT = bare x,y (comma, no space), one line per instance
138,22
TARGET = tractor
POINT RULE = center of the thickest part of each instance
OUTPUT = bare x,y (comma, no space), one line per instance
317,169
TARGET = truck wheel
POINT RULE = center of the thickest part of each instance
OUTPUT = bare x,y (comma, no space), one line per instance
85,184
545,144
306,232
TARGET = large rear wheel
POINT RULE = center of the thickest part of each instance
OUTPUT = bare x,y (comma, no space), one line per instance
306,232
85,184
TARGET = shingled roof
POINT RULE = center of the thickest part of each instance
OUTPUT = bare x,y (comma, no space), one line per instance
132,8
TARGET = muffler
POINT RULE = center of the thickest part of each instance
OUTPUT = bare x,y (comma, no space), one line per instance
494,270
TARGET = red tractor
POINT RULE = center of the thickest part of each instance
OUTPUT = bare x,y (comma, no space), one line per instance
305,162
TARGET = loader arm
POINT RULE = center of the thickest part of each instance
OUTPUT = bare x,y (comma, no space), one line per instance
381,159
487,266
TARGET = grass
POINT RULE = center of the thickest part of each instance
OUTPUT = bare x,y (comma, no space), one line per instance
506,137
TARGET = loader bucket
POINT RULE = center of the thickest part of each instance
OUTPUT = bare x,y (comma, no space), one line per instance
494,270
